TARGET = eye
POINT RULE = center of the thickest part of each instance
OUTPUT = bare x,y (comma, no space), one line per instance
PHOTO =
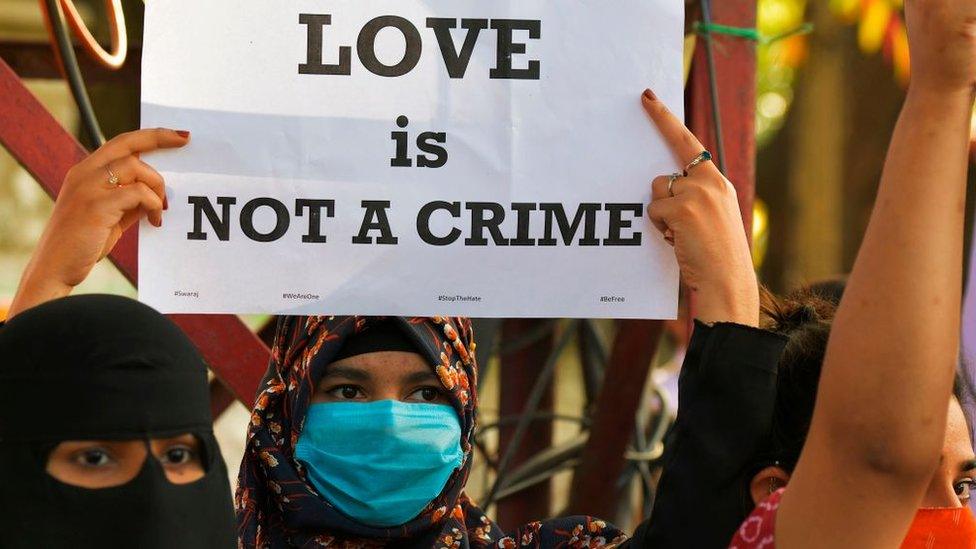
94,457
346,392
178,455
427,394
964,488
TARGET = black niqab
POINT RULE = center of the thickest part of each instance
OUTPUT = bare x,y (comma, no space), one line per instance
104,368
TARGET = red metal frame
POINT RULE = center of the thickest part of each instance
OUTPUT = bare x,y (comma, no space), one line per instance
519,371
614,418
735,74
39,143
37,60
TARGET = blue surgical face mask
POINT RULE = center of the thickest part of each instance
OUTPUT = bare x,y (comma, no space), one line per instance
380,462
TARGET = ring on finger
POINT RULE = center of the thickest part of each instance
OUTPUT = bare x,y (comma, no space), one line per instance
113,179
702,157
671,179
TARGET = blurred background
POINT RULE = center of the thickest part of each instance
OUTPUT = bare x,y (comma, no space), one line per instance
829,80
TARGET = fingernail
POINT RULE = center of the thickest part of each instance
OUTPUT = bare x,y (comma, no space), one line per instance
165,203
183,133
650,95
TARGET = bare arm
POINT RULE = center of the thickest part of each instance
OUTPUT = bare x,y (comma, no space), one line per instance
728,377
881,410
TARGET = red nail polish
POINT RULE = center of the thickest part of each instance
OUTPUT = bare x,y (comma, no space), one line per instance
183,133
650,95
165,203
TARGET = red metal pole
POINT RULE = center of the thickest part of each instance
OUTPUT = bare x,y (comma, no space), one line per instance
519,371
735,73
37,60
47,151
220,398
614,419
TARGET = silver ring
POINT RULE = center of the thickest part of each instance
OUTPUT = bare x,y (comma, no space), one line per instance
671,179
113,179
702,157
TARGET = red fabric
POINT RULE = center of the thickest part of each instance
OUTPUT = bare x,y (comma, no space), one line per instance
758,530
953,528
949,528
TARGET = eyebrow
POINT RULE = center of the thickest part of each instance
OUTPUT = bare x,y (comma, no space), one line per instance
420,377
967,466
345,372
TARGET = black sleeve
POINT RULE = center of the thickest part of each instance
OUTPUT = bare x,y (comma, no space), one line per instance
726,392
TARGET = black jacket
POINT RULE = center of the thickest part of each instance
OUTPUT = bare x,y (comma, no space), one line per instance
726,393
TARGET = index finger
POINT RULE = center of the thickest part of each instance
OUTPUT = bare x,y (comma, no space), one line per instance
683,143
140,141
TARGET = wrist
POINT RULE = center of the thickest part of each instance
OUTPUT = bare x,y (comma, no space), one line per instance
37,287
733,300
930,95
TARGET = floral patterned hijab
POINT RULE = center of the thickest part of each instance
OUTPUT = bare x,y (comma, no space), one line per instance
277,507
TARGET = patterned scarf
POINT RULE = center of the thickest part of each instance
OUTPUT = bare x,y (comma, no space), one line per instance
277,507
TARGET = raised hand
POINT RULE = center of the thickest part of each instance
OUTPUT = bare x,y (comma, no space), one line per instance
942,37
699,215
102,196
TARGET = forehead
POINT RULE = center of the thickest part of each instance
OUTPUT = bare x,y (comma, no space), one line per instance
380,364
957,445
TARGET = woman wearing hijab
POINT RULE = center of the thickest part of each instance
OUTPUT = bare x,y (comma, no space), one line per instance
362,437
105,432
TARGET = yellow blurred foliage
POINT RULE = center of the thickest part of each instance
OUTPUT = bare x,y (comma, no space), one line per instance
874,25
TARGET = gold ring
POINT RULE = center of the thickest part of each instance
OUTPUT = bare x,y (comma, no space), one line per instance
113,179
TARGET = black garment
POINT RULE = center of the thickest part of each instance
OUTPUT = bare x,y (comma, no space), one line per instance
726,393
385,335
104,368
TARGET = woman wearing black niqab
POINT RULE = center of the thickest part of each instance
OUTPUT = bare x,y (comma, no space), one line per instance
107,369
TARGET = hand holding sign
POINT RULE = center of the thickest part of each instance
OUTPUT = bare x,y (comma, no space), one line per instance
701,213
102,196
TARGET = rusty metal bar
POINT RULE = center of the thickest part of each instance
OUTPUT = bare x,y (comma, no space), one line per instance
36,60
594,489
735,73
519,371
220,398
46,150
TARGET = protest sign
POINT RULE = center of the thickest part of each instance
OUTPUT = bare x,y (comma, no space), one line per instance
410,157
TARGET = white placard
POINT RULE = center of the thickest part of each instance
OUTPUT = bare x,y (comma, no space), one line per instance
410,157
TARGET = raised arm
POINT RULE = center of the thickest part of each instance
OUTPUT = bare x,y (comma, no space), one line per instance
91,213
727,386
880,418
699,215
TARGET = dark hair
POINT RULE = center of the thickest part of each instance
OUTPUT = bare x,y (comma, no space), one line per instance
964,390
828,289
804,318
